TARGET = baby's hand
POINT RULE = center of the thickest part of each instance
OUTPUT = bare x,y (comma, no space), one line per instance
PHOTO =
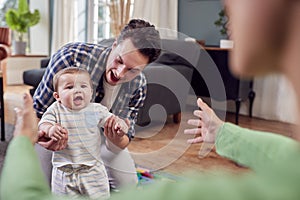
57,132
121,127
114,131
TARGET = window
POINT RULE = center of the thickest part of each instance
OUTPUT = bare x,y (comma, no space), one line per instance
4,6
107,17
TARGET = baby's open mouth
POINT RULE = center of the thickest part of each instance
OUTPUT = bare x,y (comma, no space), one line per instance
77,100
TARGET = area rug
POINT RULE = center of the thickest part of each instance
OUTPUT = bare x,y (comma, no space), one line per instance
3,144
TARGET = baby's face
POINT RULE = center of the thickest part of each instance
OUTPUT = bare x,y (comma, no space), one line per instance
74,90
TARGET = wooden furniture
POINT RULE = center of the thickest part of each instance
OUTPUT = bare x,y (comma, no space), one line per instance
236,89
5,51
2,108
16,65
5,42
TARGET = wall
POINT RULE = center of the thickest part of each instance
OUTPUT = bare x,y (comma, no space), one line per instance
196,19
40,33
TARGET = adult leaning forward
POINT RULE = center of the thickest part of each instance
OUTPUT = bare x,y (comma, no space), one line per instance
118,83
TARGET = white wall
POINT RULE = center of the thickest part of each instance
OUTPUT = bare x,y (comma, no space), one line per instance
40,33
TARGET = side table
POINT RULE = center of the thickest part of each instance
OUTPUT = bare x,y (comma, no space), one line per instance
236,89
17,64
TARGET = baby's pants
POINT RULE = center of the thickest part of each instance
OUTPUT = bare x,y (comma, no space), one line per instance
81,180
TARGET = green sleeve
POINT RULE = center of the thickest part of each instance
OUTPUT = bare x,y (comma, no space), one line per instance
277,159
22,177
218,186
254,149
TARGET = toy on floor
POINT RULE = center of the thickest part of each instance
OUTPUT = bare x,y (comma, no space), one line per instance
144,173
146,176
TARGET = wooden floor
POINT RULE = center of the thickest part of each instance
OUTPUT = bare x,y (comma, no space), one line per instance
164,147
12,99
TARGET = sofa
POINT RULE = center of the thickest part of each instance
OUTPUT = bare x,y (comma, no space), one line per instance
164,96
33,77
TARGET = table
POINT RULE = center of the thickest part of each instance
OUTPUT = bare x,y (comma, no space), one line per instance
2,108
17,64
236,89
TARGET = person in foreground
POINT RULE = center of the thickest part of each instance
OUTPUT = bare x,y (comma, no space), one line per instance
274,159
78,168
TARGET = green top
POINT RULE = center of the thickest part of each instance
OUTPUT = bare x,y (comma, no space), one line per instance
274,158
22,177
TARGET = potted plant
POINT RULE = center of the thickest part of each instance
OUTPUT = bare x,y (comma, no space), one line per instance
221,22
20,20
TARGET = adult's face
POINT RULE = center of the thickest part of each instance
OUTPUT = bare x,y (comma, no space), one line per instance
124,63
258,31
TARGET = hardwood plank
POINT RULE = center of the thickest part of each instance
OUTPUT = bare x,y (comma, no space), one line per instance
13,98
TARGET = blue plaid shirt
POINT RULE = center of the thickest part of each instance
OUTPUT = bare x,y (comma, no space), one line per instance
93,58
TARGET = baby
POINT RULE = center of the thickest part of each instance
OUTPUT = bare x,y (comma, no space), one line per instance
78,169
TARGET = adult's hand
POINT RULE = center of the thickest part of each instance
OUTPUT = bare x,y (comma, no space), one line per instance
207,124
26,123
51,144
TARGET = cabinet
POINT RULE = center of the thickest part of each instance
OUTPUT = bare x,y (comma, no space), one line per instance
17,64
236,89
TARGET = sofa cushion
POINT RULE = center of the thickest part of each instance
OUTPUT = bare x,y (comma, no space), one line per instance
33,77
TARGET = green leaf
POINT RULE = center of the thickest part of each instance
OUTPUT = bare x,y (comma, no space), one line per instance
34,18
12,18
21,19
221,22
23,6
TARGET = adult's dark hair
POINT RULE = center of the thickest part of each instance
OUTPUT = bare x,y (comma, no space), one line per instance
144,37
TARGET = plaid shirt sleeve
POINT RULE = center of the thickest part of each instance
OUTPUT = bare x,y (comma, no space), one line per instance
131,101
